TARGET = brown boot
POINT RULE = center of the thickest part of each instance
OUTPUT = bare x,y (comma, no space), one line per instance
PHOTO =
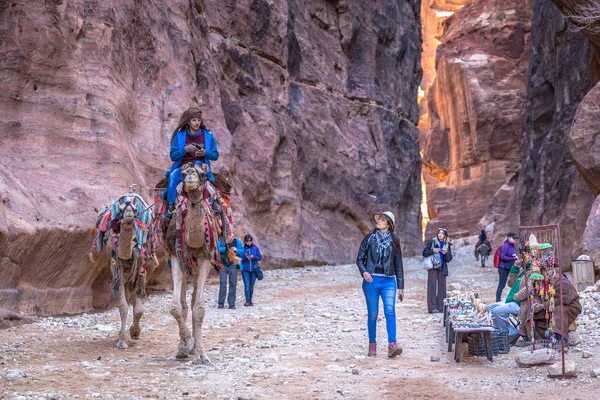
394,350
372,349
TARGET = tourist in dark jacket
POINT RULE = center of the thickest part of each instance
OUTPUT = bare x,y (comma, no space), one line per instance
508,258
440,248
249,264
231,255
379,262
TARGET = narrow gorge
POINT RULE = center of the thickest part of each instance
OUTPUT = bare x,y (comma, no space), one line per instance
462,114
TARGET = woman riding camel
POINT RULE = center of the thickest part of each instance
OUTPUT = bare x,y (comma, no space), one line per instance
191,142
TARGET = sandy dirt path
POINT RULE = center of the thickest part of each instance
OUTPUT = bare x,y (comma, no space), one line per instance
305,338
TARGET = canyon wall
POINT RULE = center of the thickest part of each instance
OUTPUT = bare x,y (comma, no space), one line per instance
503,147
313,104
550,188
471,145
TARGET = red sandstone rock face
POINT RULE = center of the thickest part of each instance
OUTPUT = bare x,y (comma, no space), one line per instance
591,235
582,142
312,103
584,139
471,148
573,8
550,190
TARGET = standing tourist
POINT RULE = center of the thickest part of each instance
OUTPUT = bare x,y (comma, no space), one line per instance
440,248
379,262
249,265
508,258
229,270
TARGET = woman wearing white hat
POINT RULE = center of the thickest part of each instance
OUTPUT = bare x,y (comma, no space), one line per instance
379,261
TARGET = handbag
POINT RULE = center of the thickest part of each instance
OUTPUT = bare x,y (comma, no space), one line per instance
432,262
259,273
435,260
427,263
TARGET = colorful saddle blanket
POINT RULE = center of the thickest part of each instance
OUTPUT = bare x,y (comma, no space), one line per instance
109,219
218,222
144,237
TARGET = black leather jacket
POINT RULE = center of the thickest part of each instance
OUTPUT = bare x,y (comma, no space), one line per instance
435,244
392,264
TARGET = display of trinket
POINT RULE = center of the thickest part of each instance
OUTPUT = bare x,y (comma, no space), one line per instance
468,311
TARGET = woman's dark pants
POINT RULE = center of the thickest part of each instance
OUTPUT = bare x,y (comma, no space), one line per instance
436,290
502,277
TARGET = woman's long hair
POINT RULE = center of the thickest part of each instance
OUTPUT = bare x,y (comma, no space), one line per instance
184,120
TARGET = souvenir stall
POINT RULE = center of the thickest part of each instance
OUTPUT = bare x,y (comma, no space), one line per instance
467,311
539,249
466,315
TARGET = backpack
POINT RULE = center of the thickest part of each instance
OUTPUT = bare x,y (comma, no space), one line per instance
497,257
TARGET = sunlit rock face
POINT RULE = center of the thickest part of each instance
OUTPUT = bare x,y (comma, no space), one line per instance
471,148
433,15
313,105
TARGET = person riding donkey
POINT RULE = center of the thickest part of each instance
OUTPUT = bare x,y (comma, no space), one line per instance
483,240
191,142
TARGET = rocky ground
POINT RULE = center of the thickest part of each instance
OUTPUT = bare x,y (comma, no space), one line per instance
304,338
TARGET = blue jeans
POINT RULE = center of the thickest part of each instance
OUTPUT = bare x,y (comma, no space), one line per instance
175,179
385,287
500,312
249,278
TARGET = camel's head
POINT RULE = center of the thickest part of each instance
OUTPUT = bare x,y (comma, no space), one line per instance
194,176
127,211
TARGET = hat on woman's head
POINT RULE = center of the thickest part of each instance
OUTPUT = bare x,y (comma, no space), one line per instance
387,215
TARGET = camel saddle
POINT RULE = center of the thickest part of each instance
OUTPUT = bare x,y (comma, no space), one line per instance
220,183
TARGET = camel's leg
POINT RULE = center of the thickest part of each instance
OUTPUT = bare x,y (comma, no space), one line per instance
123,308
198,312
184,304
186,341
138,311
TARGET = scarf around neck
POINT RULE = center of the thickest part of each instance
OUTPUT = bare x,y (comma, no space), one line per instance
384,242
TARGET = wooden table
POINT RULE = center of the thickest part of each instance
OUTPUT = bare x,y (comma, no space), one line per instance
459,333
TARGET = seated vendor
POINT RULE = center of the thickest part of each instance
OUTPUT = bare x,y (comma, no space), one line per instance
571,308
502,310
540,306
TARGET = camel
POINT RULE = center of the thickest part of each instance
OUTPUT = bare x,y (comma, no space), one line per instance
129,258
191,253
